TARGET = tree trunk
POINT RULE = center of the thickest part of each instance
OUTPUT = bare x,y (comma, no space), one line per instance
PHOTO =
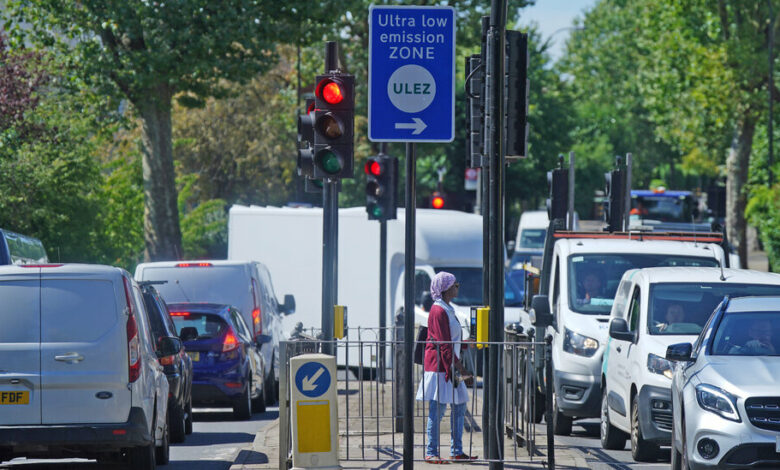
737,171
162,235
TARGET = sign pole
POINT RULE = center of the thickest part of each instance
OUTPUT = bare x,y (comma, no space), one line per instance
409,255
383,289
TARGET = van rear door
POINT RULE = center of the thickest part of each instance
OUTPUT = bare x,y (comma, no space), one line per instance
20,354
83,348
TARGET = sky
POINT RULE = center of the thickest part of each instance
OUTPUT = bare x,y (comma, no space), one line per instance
551,16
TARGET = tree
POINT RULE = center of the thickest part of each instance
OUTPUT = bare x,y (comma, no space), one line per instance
150,52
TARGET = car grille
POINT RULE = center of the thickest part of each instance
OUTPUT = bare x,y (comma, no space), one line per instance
755,455
662,419
764,412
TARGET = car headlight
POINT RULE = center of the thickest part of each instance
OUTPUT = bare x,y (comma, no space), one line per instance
718,401
659,365
578,344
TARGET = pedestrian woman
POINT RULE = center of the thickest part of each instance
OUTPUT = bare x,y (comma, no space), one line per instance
442,369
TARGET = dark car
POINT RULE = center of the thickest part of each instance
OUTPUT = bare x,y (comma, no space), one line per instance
178,367
227,364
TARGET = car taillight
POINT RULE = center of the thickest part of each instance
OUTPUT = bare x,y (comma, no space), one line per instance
231,342
180,314
133,342
193,265
257,321
166,360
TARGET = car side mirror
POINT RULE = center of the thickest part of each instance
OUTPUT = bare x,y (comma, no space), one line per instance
680,352
618,329
540,311
288,306
188,333
262,339
169,346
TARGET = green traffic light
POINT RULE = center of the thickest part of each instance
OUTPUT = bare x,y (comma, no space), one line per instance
330,162
377,211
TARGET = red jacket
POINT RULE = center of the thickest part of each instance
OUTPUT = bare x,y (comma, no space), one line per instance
438,330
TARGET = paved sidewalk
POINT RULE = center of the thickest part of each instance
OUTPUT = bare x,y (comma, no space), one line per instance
386,445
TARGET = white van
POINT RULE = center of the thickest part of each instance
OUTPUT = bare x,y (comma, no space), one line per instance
531,234
80,375
245,285
653,309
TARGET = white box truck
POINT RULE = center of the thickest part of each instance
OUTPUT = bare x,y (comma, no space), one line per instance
289,242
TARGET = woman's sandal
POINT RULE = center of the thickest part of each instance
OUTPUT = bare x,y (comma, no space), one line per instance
434,459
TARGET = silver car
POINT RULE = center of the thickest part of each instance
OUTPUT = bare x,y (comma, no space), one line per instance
726,389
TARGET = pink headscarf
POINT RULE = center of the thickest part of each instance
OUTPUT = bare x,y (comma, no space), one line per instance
440,283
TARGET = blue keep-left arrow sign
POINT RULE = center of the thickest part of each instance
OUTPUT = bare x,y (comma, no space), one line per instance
411,74
312,379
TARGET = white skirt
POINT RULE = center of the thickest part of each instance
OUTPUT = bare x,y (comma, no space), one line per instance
434,387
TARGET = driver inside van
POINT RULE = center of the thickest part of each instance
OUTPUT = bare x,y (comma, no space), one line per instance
674,314
592,286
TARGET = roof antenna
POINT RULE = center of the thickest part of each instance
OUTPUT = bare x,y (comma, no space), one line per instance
693,224
722,276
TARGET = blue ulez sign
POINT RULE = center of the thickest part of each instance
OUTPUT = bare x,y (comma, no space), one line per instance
411,74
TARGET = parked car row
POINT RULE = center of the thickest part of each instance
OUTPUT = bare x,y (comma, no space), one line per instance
692,362
96,364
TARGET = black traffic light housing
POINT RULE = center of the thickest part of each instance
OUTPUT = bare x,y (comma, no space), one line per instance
306,140
381,187
334,126
475,111
516,95
614,204
558,182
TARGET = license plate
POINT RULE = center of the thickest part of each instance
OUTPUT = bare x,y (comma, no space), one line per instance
195,355
14,398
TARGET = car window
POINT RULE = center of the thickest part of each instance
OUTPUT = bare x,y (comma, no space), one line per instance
532,237
635,310
594,278
155,316
243,331
207,325
748,334
683,308
422,283
621,299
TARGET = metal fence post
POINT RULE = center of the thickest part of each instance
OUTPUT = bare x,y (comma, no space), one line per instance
284,424
549,402
398,376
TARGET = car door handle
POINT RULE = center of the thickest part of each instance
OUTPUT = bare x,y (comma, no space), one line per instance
70,358
619,349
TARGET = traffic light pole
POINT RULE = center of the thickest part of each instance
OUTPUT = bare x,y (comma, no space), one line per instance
382,288
495,100
409,255
330,233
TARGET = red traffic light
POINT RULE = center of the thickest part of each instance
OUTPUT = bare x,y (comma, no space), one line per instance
373,167
437,202
330,91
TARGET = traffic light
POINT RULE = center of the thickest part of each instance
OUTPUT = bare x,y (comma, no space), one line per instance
312,186
334,117
381,183
516,95
306,141
558,181
437,200
615,199
475,118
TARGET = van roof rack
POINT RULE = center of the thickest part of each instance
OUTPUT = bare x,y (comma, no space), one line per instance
703,237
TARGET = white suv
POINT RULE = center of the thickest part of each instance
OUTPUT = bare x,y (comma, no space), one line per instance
80,376
654,308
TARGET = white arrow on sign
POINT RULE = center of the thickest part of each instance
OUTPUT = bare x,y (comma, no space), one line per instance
418,125
308,382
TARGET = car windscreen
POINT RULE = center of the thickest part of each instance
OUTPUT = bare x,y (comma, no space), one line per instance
206,325
683,308
594,278
470,292
664,207
215,284
532,238
747,334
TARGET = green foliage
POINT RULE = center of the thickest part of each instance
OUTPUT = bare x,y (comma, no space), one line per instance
763,212
203,224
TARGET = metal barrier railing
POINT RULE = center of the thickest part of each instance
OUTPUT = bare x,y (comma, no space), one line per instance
370,408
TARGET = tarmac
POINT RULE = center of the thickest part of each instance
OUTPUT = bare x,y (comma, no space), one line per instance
377,446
